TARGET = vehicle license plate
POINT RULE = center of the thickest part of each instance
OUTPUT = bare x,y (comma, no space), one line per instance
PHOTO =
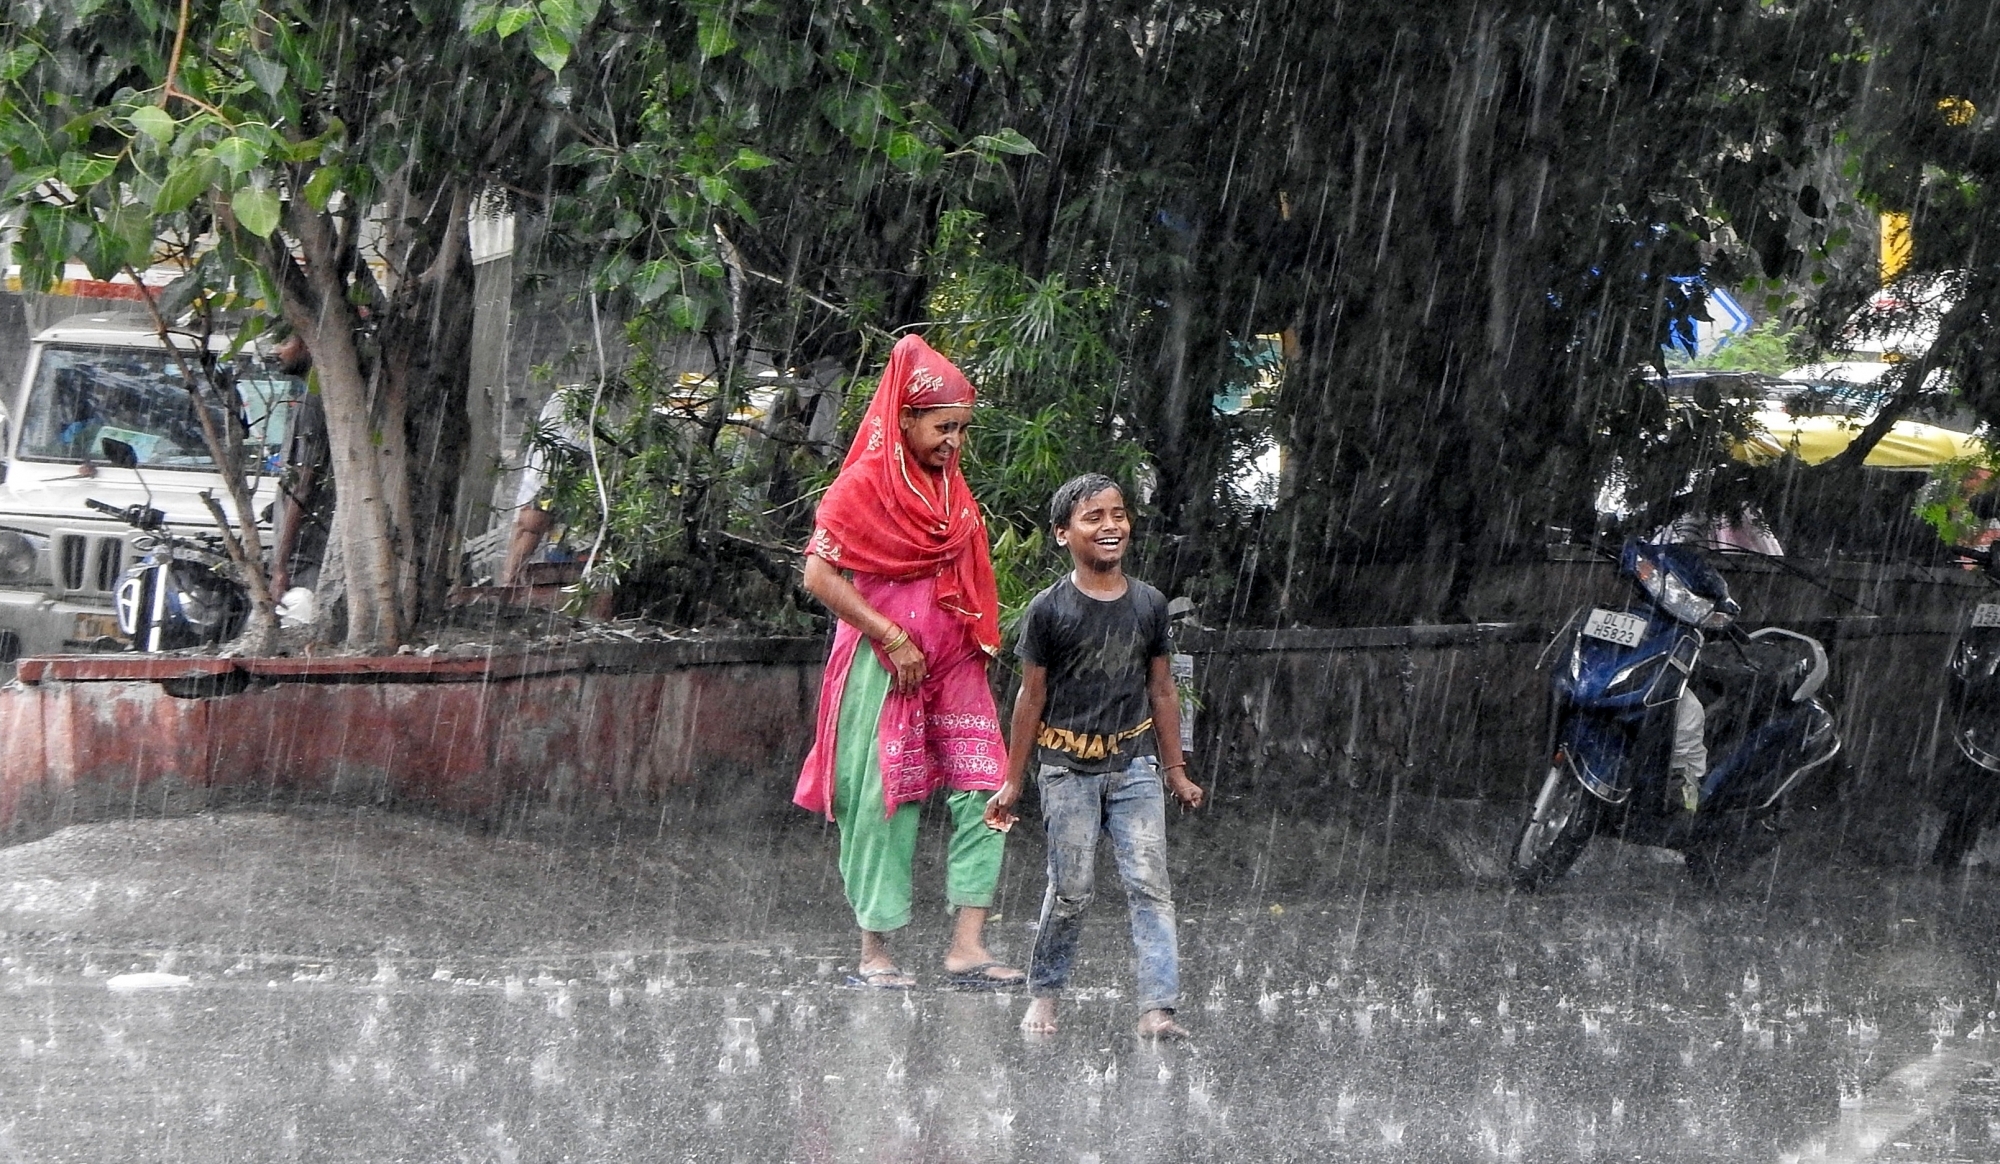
1986,614
1615,627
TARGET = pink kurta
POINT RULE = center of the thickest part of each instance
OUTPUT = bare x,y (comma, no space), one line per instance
944,735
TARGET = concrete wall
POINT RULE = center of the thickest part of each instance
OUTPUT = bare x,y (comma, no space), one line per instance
1420,741
1391,733
594,735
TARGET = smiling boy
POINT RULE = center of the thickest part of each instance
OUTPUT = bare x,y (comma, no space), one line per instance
1097,708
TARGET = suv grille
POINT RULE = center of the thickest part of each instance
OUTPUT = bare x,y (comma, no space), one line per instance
70,551
110,560
78,565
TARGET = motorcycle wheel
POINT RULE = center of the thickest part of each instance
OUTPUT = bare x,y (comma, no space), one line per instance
1552,838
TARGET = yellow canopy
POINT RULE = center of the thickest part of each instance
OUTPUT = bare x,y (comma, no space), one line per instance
1814,439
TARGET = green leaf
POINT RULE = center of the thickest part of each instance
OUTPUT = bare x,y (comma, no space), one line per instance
712,35
319,188
749,159
24,182
687,313
155,123
181,293
550,46
909,153
189,179
255,326
714,189
15,63
655,279
256,210
513,20
134,224
269,74
478,19
238,155
82,171
565,15
110,249
1007,141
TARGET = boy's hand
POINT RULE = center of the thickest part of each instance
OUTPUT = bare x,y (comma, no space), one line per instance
1183,789
1000,814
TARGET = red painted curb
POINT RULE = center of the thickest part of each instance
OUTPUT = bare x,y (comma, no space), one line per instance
455,668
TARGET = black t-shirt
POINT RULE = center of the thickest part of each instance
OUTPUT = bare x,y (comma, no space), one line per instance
1099,656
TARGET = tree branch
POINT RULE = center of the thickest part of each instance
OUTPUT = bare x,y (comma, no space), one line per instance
1956,322
174,67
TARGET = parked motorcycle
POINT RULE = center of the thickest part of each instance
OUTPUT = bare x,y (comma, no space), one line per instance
1619,678
1968,792
175,595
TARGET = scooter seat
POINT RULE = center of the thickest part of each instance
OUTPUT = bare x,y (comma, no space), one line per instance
1760,674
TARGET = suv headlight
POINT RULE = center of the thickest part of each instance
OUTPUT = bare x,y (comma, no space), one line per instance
21,555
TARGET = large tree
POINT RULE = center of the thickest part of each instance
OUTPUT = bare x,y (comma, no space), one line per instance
313,165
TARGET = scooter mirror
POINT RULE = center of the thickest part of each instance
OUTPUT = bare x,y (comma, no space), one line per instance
119,453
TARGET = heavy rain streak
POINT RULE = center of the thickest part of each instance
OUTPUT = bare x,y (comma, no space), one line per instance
922,580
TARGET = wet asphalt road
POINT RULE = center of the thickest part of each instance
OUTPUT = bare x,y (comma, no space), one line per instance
332,984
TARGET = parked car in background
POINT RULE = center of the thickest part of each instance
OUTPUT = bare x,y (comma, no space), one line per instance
87,379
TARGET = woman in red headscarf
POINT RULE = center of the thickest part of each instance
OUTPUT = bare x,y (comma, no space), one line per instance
899,554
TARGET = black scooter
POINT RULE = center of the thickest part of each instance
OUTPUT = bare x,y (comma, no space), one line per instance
1613,696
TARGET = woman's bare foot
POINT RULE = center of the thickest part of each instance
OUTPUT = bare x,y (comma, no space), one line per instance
877,968
1041,1016
1157,1024
968,953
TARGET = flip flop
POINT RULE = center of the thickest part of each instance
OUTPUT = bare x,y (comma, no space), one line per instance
872,979
977,978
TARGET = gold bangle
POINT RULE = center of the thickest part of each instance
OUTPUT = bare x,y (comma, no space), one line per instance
896,640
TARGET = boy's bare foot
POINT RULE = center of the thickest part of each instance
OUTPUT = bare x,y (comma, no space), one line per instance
1041,1016
1154,1024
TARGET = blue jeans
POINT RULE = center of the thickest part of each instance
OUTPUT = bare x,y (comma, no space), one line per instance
1130,807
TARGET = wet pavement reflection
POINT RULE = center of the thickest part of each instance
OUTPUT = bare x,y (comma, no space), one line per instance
333,985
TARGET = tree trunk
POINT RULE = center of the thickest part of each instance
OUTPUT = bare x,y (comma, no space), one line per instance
426,368
367,472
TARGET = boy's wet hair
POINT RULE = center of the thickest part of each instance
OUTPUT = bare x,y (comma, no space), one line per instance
1072,493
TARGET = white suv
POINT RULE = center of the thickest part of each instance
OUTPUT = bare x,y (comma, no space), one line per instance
87,379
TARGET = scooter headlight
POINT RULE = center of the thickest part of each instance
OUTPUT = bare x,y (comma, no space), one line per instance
20,555
1636,677
1675,598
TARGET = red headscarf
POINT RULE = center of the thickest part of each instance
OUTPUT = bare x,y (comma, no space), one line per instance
887,515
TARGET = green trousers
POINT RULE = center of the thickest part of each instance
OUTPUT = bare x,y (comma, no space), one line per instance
878,852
